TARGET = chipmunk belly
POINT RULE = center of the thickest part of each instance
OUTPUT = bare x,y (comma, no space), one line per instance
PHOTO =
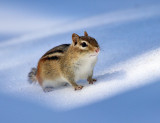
84,68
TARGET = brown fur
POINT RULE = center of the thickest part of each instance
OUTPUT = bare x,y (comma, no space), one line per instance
61,60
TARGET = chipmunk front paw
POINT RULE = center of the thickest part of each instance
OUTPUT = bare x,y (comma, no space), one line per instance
92,81
79,87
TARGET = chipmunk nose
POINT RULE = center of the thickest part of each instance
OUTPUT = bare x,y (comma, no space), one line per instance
97,50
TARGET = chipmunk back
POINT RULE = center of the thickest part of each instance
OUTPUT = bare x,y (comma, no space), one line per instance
67,63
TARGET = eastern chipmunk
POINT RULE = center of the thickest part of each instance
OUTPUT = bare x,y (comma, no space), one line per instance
67,63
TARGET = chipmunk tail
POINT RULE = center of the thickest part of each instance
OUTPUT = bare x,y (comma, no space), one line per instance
32,75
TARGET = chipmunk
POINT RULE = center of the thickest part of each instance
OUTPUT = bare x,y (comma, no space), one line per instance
67,63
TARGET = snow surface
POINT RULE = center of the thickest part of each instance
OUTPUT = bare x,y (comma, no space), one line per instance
129,60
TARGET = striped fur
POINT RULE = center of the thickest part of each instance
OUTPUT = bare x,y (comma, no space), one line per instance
56,52
67,63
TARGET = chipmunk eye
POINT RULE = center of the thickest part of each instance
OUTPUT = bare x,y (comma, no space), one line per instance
84,44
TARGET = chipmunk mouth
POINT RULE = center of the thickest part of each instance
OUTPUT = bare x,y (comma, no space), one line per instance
95,54
92,55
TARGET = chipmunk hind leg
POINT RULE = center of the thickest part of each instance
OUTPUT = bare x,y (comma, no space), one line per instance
49,85
32,75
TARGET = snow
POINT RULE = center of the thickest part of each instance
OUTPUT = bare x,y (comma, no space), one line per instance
130,74
105,19
128,66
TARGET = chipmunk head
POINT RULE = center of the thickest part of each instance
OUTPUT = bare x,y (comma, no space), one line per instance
85,45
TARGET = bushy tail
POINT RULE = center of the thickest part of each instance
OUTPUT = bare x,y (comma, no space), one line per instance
32,75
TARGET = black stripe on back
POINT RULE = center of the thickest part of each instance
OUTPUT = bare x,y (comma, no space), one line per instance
66,44
59,49
56,51
52,58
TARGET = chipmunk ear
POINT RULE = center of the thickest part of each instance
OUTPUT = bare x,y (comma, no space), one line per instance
85,33
75,38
